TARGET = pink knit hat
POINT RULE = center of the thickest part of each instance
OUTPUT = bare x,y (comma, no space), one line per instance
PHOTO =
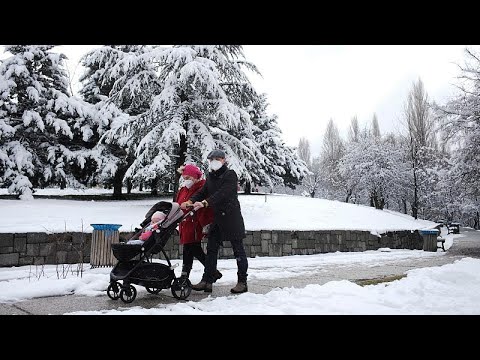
192,170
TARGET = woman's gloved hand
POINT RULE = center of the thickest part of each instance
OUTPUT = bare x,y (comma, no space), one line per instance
206,229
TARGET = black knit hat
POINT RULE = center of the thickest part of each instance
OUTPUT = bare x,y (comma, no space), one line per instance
216,154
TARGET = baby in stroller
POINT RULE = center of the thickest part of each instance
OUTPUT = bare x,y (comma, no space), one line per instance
157,219
135,261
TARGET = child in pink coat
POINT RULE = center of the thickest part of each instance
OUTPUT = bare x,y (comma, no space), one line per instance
157,219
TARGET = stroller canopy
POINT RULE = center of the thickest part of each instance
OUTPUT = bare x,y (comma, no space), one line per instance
173,215
171,209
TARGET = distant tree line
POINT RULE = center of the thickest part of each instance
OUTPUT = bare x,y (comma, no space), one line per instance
430,170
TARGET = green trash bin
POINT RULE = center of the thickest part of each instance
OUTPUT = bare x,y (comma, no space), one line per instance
104,235
429,239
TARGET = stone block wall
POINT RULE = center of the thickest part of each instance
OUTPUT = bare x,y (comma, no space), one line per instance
40,248
71,248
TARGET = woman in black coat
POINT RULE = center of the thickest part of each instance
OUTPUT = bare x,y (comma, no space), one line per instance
220,193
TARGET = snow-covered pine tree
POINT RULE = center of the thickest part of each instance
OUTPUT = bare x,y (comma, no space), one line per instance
282,164
44,131
120,93
195,112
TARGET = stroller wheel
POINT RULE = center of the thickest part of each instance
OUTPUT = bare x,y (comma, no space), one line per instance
113,290
128,294
153,290
181,288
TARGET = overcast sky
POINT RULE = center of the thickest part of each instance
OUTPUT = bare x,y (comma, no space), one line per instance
309,84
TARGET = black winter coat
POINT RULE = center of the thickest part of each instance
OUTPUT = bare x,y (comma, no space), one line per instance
220,191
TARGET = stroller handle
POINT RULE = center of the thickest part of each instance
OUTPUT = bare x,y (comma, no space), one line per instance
191,212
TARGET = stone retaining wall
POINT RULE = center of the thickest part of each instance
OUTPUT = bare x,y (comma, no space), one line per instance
71,248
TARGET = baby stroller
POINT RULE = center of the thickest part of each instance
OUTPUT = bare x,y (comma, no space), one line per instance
135,265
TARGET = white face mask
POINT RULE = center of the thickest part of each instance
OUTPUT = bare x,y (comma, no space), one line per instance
215,165
188,183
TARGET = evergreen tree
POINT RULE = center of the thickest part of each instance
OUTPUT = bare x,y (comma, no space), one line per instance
199,108
45,133
121,84
282,166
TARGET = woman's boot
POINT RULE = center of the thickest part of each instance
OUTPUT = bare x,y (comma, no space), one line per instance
217,275
185,272
241,287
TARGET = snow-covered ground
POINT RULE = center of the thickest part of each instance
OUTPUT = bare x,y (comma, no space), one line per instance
260,212
448,289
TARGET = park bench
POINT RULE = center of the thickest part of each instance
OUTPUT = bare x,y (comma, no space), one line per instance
453,228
